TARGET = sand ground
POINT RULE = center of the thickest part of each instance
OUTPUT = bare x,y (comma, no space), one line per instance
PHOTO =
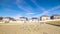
28,28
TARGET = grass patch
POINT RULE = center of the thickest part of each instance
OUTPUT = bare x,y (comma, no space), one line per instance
57,23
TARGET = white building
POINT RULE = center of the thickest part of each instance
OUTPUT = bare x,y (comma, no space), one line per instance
22,20
34,20
44,17
8,19
56,16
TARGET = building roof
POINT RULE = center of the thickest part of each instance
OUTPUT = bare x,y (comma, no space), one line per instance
56,15
44,16
23,17
34,18
10,18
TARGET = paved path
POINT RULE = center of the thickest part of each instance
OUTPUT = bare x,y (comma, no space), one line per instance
29,29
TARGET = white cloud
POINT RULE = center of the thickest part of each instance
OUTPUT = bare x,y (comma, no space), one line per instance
48,11
30,13
34,1
8,9
19,6
27,9
17,16
54,8
45,12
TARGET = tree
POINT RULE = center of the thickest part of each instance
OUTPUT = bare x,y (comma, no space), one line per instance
1,18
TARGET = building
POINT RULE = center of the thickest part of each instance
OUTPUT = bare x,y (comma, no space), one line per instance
23,19
56,16
8,19
34,19
44,17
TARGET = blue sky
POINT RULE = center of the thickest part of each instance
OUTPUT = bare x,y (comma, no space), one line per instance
29,8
